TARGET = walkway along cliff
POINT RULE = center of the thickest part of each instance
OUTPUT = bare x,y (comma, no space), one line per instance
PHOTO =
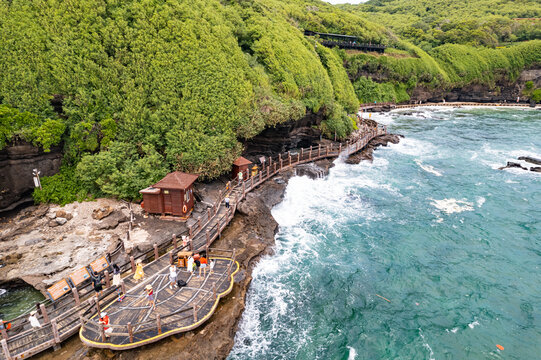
182,309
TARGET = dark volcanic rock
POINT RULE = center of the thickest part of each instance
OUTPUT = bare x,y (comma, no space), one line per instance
290,135
112,221
367,152
531,160
536,169
16,165
511,164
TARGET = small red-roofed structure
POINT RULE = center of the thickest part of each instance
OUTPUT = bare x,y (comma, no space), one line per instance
241,165
171,195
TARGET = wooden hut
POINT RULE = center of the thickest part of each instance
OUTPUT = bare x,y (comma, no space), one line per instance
171,195
241,165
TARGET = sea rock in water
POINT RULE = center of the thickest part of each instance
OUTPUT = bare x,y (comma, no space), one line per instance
531,160
511,164
536,169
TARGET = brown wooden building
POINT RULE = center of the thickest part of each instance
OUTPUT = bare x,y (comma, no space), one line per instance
241,165
171,195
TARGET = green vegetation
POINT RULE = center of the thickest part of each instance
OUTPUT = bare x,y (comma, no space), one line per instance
135,89
430,23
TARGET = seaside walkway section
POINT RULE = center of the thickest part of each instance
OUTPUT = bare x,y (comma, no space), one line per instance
390,105
177,311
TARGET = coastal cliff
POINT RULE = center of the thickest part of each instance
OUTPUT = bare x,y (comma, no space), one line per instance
16,165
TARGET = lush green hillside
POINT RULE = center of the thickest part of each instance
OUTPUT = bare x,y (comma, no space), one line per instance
429,23
134,89
138,88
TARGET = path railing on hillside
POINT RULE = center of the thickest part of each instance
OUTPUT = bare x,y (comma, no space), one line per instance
368,106
62,318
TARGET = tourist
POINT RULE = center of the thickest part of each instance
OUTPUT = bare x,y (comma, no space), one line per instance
240,177
104,320
203,262
116,275
34,320
212,263
139,272
96,282
172,276
150,296
227,202
190,265
184,241
518,99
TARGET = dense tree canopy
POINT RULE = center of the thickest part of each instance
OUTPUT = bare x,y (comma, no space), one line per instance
136,88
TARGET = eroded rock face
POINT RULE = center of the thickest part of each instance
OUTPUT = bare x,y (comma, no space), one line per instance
284,137
16,165
367,153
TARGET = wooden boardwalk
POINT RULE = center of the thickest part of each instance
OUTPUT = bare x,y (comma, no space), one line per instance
178,310
370,106
134,323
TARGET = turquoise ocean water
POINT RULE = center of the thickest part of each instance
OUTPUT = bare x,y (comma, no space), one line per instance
432,226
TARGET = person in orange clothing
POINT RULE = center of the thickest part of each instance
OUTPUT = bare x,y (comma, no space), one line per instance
104,320
203,260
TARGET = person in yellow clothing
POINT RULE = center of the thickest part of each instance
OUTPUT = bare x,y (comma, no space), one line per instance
139,273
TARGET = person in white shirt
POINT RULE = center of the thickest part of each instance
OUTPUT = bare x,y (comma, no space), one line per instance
34,320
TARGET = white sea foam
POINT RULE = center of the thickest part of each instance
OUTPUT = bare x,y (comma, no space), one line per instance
451,206
473,324
427,168
426,345
480,201
414,147
352,353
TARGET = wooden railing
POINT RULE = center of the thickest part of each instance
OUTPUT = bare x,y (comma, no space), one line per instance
202,233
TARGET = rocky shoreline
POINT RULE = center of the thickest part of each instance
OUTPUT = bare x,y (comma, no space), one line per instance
251,233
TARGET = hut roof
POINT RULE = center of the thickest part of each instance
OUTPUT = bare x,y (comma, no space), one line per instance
176,180
242,161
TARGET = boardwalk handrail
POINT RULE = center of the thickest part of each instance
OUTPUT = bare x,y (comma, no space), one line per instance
212,221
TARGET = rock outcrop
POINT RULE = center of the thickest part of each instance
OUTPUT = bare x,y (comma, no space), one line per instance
367,153
16,165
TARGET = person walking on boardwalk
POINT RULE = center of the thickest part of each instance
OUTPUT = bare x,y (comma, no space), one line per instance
34,320
150,296
96,282
116,275
189,267
139,272
204,262
172,276
227,202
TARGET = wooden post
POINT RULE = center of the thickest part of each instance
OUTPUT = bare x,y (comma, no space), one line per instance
340,148
132,262
209,214
208,237
327,150
76,296
281,164
289,158
156,251
170,258
199,222
214,290
6,349
56,336
190,231
102,333
128,235
175,244
130,331
310,154
159,323
219,229
318,150
44,313
107,279
122,286
97,300
302,154
261,175
195,313
191,244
